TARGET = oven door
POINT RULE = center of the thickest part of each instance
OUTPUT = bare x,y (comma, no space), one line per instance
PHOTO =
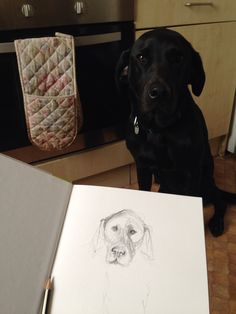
12,118
97,56
98,48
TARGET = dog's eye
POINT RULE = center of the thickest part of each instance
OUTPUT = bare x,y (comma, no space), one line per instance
174,56
141,58
114,228
132,232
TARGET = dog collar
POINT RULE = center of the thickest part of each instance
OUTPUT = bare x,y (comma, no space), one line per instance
136,126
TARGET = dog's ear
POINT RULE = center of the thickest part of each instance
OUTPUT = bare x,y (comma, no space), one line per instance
197,74
146,247
121,74
98,239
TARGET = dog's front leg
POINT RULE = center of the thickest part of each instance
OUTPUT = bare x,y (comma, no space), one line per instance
144,176
216,223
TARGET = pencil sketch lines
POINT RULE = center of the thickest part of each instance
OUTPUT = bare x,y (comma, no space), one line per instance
123,234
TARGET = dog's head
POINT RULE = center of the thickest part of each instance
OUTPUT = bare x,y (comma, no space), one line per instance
123,233
157,70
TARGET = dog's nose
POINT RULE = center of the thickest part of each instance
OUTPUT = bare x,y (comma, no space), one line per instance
118,252
157,92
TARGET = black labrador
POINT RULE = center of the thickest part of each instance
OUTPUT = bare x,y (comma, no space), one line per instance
167,133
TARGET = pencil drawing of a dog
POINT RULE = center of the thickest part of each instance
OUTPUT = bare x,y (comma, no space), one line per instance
127,243
123,234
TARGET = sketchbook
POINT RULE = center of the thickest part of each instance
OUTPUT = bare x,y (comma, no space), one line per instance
109,250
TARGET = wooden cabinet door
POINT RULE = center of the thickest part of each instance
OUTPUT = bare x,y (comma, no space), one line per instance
216,44
153,13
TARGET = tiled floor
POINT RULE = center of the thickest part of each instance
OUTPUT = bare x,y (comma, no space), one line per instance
221,251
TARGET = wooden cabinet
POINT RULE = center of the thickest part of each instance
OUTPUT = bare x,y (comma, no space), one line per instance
216,43
152,13
106,165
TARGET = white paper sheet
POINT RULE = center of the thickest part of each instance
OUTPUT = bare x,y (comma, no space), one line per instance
162,271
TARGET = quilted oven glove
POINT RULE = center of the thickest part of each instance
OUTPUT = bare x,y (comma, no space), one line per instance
51,101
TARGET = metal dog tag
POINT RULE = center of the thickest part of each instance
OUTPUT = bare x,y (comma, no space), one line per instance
136,126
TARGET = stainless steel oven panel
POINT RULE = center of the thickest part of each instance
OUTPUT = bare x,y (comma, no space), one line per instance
8,47
97,39
22,14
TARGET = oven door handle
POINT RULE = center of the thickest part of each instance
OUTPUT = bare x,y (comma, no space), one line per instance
97,39
8,47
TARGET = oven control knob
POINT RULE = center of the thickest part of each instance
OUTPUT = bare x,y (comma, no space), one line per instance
27,10
79,6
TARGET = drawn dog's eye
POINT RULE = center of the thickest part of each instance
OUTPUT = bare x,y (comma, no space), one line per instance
141,58
114,228
174,56
132,232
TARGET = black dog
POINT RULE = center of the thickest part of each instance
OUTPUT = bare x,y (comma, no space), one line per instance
167,134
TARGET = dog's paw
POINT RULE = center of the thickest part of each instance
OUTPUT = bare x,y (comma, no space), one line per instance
216,226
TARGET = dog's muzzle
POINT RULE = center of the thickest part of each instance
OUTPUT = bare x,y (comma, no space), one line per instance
120,254
159,92
155,96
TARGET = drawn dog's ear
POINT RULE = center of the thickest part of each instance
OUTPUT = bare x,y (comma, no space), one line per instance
122,67
98,239
146,247
197,74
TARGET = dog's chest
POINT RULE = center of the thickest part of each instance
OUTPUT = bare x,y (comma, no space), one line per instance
123,293
160,146
150,149
160,150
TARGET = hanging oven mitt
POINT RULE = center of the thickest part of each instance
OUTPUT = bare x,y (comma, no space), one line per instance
51,101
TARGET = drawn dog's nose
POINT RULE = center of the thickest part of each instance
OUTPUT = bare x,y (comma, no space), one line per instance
158,92
118,251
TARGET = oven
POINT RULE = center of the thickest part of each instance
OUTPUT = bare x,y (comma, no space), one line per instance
102,30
